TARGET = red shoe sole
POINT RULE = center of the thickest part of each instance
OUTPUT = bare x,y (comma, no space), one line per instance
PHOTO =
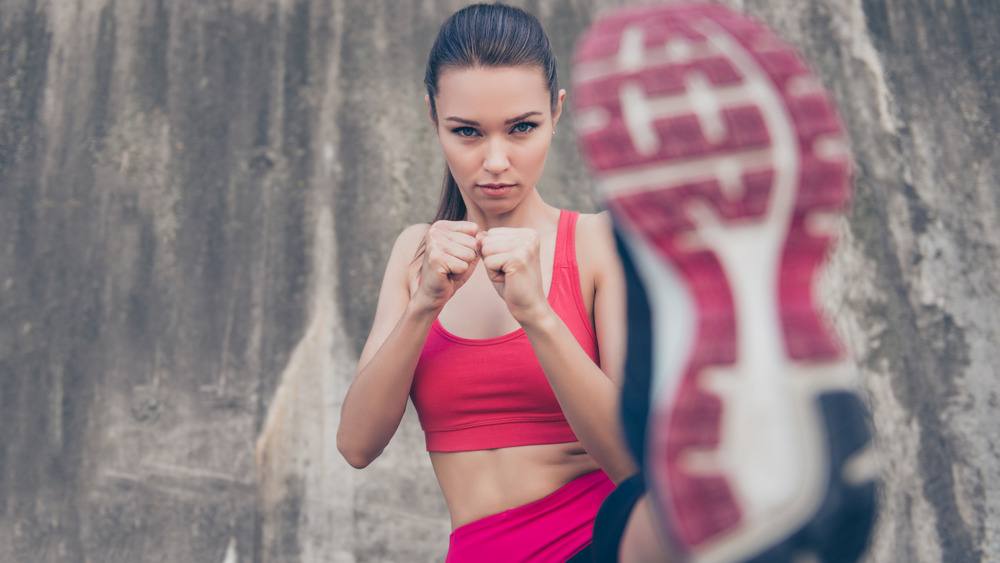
710,139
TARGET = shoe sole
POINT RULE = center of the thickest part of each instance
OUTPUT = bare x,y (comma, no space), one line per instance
724,164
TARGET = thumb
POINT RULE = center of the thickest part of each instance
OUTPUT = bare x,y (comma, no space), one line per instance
494,269
479,242
475,260
469,270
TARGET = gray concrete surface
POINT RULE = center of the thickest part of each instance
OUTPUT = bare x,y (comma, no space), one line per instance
197,198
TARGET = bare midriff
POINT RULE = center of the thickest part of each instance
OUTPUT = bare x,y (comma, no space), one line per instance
480,483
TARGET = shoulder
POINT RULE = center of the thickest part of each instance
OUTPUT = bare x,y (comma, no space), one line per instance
413,233
411,237
597,253
595,230
409,243
598,224
403,262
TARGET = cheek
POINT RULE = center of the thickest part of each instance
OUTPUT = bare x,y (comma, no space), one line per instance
459,156
533,154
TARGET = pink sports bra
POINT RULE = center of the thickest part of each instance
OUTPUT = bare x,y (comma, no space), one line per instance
480,394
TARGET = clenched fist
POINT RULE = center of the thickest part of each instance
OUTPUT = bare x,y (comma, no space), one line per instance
511,258
450,256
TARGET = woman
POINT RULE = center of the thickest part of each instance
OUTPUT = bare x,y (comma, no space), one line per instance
509,341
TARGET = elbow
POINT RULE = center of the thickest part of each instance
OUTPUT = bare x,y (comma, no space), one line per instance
356,457
356,460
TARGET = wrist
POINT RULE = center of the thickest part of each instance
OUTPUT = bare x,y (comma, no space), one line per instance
541,318
423,307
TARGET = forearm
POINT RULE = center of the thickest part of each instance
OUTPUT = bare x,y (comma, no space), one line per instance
376,400
642,540
589,398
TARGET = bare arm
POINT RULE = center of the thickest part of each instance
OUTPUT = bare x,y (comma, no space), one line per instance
376,400
587,395
590,395
642,540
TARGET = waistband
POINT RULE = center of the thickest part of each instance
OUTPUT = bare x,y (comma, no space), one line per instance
548,530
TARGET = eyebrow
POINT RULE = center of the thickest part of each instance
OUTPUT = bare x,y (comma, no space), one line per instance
521,117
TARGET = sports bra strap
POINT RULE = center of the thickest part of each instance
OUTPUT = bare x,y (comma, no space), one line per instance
566,239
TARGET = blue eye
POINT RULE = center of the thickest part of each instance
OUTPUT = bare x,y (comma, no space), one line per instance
524,127
464,131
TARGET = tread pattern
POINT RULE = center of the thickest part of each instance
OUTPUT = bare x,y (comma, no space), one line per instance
693,116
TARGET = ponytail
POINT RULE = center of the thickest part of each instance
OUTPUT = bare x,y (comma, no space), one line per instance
489,36
452,206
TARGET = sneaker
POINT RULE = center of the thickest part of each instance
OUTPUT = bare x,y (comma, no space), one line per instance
726,169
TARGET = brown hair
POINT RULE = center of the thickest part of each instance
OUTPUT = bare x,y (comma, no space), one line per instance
492,36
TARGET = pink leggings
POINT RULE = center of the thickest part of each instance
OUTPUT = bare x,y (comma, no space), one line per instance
549,530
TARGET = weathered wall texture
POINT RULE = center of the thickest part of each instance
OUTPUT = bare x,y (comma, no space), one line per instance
197,199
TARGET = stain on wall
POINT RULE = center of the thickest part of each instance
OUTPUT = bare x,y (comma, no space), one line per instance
197,199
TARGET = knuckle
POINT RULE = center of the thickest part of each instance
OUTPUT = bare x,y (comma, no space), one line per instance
440,226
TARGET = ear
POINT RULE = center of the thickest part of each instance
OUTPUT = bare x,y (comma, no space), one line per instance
559,105
430,112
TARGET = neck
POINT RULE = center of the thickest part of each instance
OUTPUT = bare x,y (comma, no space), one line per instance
533,213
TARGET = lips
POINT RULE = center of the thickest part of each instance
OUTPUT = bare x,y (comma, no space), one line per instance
495,190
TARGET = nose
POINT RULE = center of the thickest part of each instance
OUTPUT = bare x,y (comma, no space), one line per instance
496,160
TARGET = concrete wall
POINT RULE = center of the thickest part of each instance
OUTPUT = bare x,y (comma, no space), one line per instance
197,199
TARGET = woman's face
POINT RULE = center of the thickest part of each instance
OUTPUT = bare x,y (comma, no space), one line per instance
495,126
